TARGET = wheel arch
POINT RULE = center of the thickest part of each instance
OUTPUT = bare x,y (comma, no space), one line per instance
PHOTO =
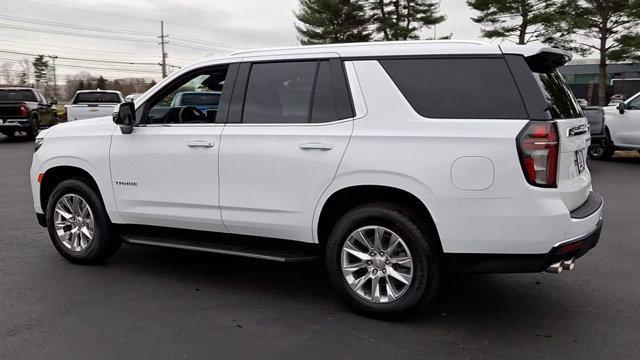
341,200
57,174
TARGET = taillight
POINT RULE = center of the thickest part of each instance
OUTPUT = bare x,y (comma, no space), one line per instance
538,148
24,111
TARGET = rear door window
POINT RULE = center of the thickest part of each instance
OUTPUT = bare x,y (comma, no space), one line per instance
279,92
17,95
458,88
96,98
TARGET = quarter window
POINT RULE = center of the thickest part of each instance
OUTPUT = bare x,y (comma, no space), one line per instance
458,88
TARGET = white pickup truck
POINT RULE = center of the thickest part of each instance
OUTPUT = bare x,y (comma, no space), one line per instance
87,104
621,129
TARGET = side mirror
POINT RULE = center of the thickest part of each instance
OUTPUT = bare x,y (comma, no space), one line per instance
54,101
124,115
621,107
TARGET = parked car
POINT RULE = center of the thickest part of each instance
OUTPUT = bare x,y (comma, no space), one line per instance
25,110
360,154
87,104
614,102
621,129
205,101
583,102
132,97
595,116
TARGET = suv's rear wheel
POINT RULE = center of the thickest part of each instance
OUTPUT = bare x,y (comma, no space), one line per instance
78,224
380,262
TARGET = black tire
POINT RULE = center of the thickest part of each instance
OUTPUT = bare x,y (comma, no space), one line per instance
603,151
421,244
34,128
104,243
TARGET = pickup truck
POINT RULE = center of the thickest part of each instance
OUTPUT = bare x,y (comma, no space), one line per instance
87,104
621,129
25,110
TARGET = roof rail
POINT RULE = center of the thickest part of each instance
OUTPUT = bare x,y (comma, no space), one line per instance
357,44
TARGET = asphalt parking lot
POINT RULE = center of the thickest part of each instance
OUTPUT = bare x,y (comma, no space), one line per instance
167,304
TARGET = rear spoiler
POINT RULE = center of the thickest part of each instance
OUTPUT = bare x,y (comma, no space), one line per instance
539,58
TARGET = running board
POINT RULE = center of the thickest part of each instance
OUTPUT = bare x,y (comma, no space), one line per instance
257,248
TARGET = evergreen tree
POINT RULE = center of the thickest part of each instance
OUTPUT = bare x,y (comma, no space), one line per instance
403,19
332,21
101,83
610,28
521,21
40,69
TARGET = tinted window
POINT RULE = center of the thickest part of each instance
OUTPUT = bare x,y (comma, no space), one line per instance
279,92
634,104
17,95
96,98
324,104
558,96
469,88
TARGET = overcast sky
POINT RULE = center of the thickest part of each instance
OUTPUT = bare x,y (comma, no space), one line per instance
125,30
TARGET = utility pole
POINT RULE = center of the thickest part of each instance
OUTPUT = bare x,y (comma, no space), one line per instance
162,37
55,80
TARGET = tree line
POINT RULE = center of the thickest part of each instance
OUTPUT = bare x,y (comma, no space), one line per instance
38,73
608,28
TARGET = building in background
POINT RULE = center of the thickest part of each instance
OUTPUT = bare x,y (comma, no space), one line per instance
582,76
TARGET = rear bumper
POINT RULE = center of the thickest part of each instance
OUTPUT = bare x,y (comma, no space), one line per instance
14,124
563,250
524,263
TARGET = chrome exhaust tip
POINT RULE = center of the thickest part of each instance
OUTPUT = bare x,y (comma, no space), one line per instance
568,264
555,268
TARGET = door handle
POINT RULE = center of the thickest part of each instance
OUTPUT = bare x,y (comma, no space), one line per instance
200,143
316,146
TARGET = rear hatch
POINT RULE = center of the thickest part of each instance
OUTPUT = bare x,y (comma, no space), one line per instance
558,106
92,104
11,99
9,109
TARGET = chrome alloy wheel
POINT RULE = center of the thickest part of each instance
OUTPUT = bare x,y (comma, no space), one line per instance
377,264
74,223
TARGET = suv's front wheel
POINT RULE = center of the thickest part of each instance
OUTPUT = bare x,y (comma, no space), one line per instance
380,262
78,224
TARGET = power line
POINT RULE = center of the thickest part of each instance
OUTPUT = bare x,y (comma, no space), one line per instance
85,60
69,33
73,26
212,30
105,37
32,44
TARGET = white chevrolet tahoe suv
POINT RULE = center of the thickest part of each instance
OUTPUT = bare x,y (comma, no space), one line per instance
394,162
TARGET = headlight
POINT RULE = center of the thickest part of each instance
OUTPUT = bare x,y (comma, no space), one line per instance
38,144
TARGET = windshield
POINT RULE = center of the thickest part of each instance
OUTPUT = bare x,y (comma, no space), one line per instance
17,95
96,97
560,100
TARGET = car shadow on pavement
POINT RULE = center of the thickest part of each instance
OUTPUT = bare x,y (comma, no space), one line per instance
13,139
491,298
